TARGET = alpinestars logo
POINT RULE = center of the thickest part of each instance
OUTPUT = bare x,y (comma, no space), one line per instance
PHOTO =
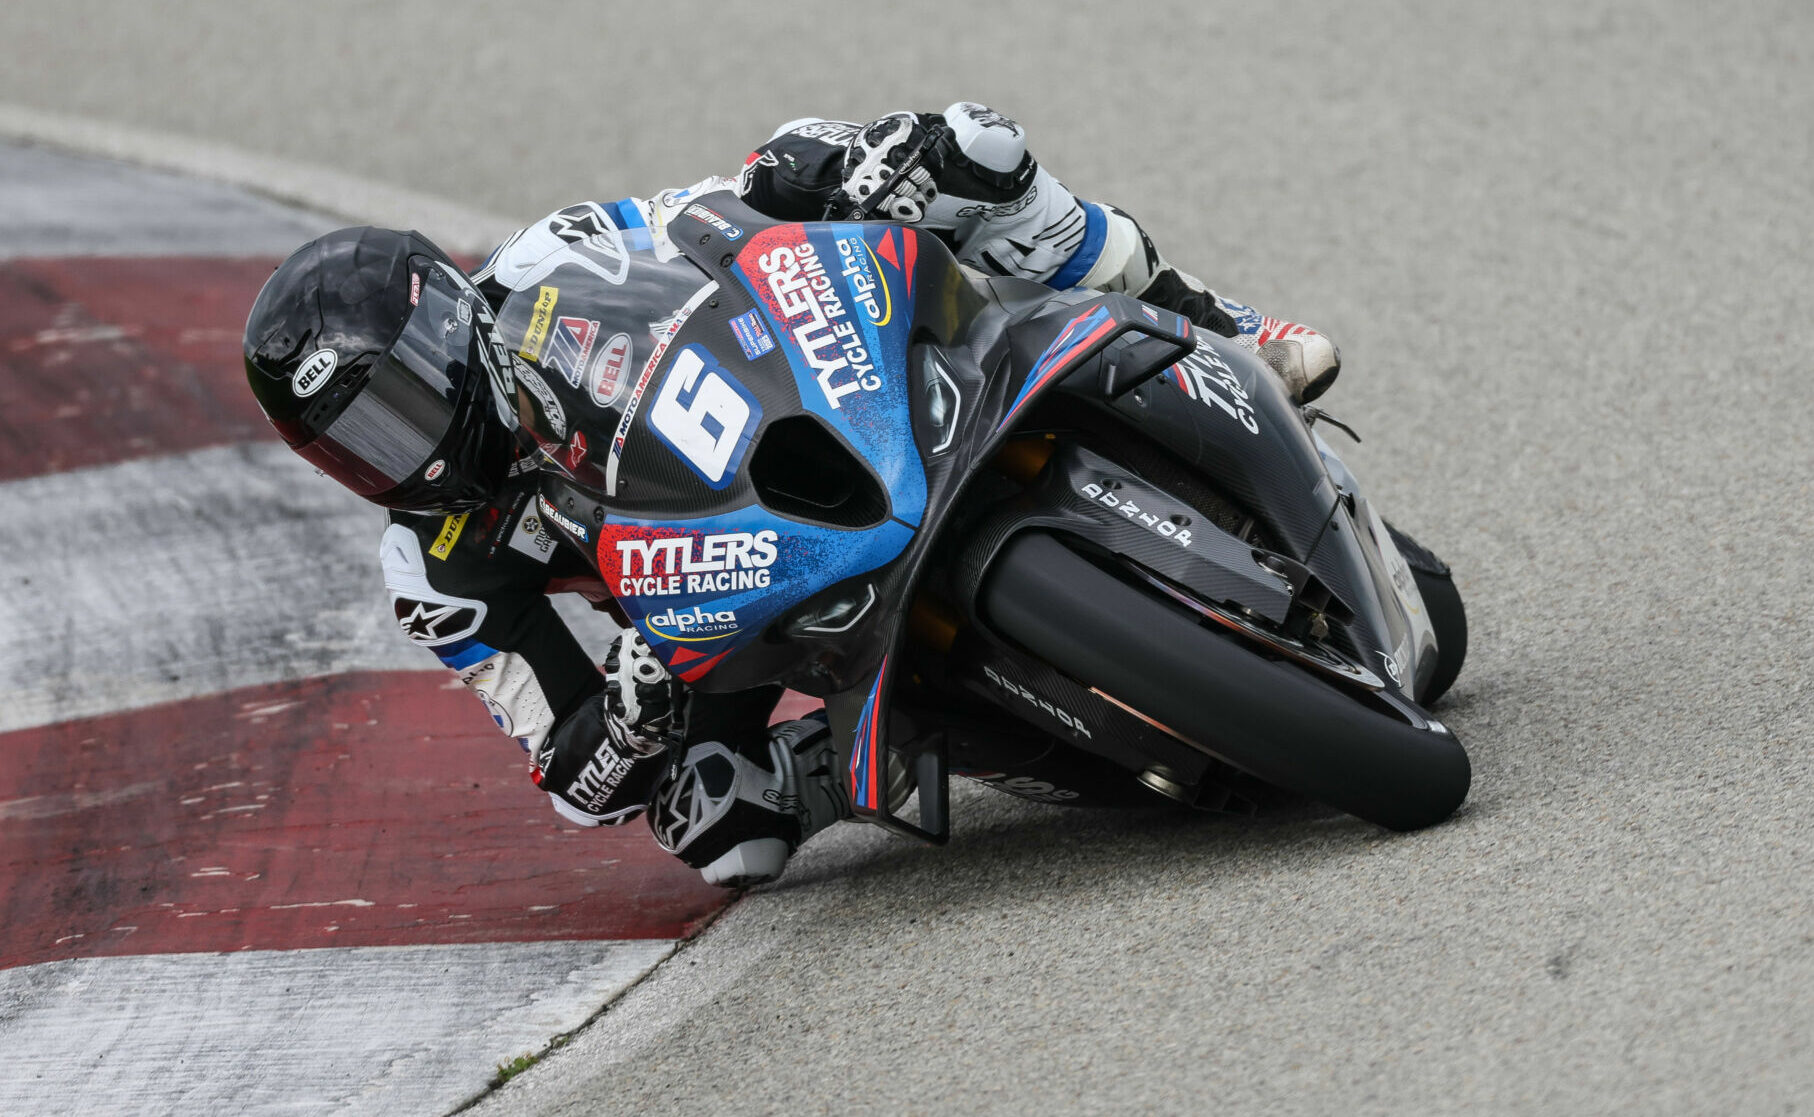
425,622
577,223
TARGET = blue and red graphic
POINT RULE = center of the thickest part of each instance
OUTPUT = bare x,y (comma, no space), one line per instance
1077,336
746,568
866,760
838,298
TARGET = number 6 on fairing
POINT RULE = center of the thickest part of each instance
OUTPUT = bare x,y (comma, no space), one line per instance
705,416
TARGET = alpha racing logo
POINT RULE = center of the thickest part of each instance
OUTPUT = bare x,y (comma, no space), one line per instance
805,297
693,626
865,279
736,560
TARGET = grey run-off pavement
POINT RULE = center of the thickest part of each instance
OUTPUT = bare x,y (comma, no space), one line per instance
1567,251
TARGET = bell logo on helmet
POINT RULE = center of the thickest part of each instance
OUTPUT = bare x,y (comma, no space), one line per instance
314,372
439,467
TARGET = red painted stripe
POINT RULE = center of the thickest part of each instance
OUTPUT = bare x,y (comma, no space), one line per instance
102,360
249,820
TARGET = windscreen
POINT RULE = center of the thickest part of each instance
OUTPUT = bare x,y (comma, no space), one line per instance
590,315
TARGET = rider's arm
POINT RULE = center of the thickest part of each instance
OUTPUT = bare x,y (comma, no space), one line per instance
472,590
995,205
504,270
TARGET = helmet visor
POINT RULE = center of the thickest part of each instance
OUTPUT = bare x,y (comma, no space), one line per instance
389,432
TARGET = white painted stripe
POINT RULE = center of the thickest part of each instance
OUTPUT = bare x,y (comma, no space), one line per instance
59,205
371,1030
166,578
454,227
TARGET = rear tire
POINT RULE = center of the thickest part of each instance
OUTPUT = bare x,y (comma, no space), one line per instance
1269,718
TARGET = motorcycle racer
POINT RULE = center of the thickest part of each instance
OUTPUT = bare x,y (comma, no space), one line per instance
376,358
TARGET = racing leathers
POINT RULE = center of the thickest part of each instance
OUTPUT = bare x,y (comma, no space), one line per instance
728,796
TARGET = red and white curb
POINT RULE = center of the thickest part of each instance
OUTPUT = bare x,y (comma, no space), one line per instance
256,853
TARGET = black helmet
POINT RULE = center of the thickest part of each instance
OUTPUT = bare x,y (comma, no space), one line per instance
376,359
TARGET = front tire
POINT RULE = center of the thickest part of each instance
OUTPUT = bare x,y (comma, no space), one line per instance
1268,718
1447,616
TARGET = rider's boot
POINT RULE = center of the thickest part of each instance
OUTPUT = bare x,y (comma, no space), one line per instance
1305,360
738,815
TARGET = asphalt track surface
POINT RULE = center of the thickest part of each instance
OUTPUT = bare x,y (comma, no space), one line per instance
1567,250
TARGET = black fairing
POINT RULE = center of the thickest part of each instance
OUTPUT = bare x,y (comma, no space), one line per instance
978,362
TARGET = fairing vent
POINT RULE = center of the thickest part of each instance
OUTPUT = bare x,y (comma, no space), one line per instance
802,470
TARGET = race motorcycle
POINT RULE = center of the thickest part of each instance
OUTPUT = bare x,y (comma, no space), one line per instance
1061,542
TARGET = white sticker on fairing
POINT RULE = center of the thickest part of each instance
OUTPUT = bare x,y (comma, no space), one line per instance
531,536
314,372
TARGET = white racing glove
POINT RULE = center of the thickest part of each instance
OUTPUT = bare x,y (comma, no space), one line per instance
638,689
875,154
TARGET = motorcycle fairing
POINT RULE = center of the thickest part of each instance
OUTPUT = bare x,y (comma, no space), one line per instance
839,298
1211,410
949,390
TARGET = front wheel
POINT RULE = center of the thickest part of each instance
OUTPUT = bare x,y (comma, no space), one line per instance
1443,603
1268,718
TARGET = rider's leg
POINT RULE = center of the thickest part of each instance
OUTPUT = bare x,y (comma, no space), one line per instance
1011,217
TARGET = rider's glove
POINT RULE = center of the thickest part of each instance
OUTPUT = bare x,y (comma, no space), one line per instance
875,154
638,689
595,770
